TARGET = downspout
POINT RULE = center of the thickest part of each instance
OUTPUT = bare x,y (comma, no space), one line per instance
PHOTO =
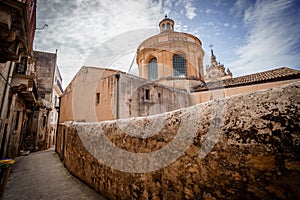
117,97
7,85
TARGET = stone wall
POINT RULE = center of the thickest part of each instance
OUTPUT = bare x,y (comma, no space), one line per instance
242,147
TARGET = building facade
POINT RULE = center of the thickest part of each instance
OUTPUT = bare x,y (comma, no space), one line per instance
30,83
18,92
42,133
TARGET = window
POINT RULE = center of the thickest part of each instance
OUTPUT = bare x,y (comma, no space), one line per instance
44,121
152,69
98,98
179,66
147,95
163,27
17,120
168,26
22,66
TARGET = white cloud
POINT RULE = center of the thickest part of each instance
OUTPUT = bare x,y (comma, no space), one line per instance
208,11
76,28
273,36
190,9
217,2
239,7
210,23
167,6
234,26
226,24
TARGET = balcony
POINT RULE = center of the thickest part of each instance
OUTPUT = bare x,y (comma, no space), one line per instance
17,28
23,81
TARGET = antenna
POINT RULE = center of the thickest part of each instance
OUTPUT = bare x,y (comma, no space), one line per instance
41,28
132,63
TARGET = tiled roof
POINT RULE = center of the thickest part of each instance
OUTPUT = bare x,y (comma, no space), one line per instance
283,73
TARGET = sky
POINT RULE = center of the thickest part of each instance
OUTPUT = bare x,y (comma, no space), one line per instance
248,36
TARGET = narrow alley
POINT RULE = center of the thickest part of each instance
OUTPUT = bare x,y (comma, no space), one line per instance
41,175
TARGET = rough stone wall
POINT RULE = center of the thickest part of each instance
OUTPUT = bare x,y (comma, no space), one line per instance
256,155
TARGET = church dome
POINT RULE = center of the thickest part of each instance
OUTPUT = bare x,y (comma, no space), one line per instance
170,54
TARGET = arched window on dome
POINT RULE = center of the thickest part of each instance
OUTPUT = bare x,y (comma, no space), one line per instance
152,69
179,66
163,27
168,26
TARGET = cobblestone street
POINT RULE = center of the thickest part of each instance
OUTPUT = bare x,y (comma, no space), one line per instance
41,175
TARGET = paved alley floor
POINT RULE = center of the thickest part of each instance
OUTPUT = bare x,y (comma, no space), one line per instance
41,175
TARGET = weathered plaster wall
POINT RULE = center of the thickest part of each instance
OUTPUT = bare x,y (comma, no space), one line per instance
121,97
15,124
256,156
6,70
78,99
185,84
204,96
45,68
132,102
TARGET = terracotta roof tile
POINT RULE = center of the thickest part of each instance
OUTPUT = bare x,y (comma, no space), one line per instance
283,73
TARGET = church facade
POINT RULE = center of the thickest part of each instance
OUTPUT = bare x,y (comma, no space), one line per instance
171,76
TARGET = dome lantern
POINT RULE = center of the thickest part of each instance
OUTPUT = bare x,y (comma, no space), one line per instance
166,24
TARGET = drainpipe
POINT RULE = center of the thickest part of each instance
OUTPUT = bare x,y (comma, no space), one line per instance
7,85
117,97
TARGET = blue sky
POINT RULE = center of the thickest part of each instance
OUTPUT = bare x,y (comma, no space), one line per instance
249,36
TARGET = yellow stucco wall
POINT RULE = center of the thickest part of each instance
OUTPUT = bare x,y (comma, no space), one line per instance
78,100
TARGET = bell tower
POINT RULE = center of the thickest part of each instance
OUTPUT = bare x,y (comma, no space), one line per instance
216,71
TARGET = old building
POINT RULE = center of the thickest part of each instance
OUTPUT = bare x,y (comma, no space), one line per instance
171,76
45,116
97,94
18,92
